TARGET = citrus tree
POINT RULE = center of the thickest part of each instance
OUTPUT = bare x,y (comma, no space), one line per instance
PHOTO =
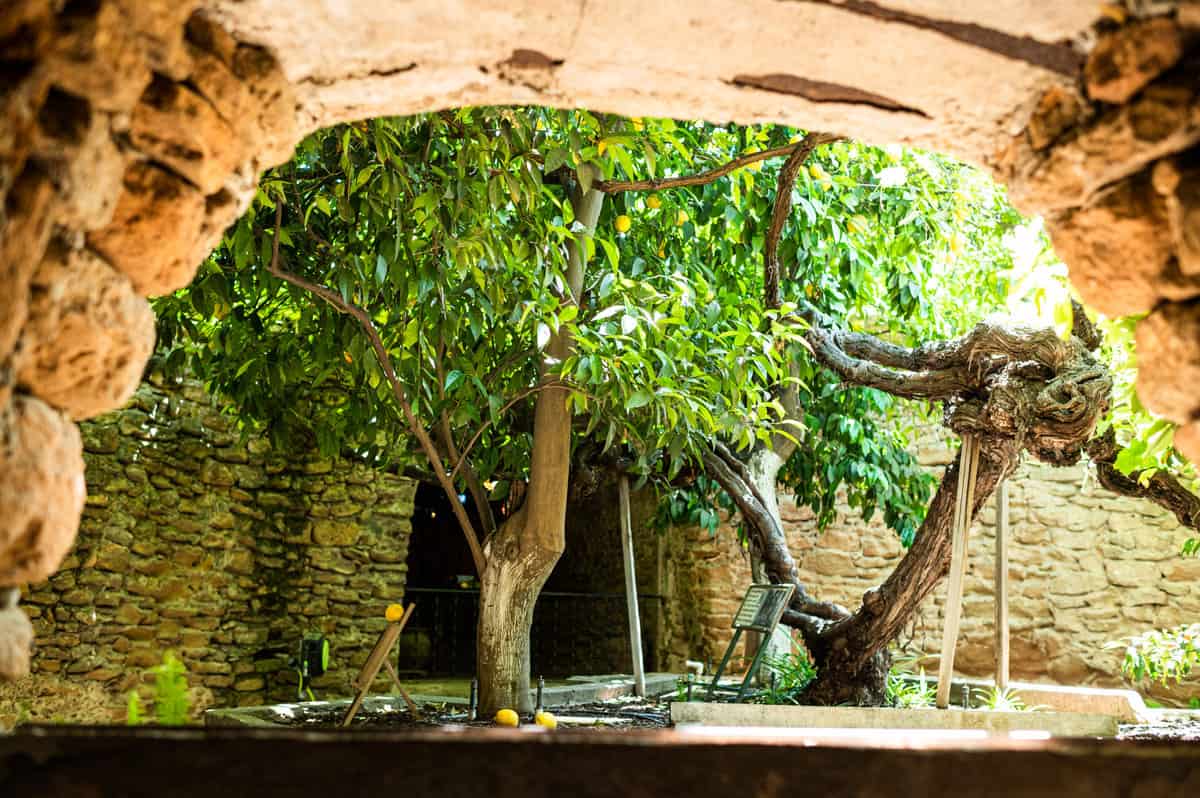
436,285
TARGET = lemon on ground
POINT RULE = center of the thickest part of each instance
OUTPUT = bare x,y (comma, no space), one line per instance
653,202
681,218
506,717
623,223
546,719
393,613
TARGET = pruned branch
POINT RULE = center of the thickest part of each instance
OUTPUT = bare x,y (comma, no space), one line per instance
364,320
806,613
780,212
1162,488
812,140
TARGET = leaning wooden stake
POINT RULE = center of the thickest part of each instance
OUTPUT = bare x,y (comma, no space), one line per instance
964,501
1002,586
378,658
635,623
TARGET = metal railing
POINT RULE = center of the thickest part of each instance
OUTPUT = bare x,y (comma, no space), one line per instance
573,633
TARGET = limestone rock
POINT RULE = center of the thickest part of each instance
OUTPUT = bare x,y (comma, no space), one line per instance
1187,440
1168,347
1117,246
16,639
42,494
1123,62
95,55
1161,121
159,231
178,128
29,208
89,334
1178,181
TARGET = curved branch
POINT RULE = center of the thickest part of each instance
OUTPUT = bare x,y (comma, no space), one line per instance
780,212
1162,488
385,361
704,178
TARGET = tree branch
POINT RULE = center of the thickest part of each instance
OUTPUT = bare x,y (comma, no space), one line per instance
703,178
1162,488
781,211
385,361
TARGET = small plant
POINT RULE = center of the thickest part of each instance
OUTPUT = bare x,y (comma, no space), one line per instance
901,692
133,709
171,702
793,673
1003,700
1162,655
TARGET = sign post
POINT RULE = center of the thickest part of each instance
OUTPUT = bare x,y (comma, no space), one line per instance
761,610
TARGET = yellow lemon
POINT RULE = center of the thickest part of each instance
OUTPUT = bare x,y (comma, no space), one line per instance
546,719
816,171
346,355
623,223
681,218
601,146
506,717
653,202
393,613
662,252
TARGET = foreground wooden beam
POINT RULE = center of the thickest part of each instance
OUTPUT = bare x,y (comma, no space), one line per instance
96,761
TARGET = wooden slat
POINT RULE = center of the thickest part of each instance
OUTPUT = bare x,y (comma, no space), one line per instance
964,499
635,623
1002,586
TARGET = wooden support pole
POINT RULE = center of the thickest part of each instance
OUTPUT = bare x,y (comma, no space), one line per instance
635,624
964,501
1002,586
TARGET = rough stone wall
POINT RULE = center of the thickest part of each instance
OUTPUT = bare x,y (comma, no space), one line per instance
133,133
1086,567
220,550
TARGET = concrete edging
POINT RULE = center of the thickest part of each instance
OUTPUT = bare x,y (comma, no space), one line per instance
1057,724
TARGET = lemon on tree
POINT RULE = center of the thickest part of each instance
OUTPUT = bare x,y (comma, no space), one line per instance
623,223
681,218
653,202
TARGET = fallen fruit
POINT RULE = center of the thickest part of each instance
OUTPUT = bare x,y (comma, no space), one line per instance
546,720
393,613
506,717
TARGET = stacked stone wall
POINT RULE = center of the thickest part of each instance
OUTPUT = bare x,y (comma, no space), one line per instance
1086,568
219,549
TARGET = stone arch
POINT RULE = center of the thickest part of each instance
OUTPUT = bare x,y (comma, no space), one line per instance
132,132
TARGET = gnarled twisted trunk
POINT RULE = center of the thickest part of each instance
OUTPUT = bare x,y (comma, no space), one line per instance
1016,390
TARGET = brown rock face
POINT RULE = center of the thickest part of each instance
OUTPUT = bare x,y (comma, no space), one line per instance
1168,345
28,209
1117,247
16,637
42,493
159,232
1122,63
175,126
88,337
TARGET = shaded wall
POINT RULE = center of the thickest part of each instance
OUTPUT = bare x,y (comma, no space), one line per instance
220,550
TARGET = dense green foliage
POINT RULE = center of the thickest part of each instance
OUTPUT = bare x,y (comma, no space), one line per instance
448,229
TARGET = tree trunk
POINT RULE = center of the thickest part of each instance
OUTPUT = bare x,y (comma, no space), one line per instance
851,655
526,547
517,567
